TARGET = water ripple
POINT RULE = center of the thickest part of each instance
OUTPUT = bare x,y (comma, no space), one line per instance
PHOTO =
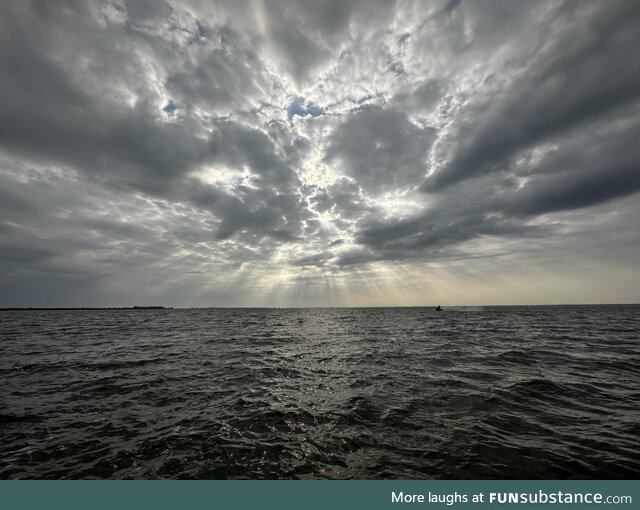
495,392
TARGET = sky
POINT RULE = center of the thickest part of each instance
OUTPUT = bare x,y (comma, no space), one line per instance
319,153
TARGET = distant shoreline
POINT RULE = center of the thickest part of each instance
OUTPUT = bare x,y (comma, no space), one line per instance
449,307
35,308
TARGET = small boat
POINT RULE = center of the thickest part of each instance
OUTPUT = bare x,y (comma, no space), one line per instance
438,308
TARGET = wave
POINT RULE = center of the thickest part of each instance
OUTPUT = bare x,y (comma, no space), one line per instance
520,392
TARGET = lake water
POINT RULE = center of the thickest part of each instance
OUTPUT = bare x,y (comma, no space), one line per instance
495,392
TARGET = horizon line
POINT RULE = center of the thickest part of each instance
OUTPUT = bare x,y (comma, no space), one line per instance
153,307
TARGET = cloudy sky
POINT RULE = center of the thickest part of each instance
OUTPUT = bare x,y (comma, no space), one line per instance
325,152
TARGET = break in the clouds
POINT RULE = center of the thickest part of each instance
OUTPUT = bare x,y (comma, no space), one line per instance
319,153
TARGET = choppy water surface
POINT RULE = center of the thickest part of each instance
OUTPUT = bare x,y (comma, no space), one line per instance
514,392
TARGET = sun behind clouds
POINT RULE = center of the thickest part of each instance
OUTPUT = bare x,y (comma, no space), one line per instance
318,153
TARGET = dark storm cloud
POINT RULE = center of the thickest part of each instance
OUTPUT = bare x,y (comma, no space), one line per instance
52,117
584,73
219,71
425,97
306,35
595,168
381,149
237,145
435,234
313,260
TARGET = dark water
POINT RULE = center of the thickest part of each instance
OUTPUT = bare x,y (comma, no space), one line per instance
522,392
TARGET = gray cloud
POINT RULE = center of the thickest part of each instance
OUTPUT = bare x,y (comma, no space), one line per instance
381,149
578,77
590,170
322,152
